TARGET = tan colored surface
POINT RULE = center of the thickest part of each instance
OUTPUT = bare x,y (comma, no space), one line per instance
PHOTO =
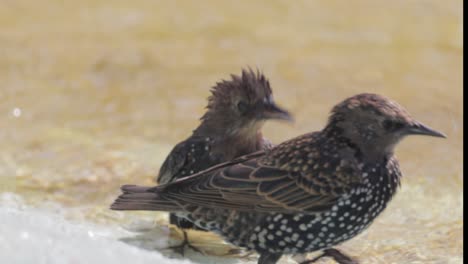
93,94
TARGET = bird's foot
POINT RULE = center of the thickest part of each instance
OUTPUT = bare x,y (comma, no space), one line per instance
334,254
180,249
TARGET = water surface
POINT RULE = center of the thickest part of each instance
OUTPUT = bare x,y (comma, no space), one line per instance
94,94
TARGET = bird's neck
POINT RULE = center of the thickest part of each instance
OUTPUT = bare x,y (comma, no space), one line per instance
213,125
371,151
230,141
374,154
243,143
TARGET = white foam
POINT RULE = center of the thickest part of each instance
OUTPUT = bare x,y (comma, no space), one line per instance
37,236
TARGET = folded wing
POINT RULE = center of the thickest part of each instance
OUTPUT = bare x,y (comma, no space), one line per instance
251,186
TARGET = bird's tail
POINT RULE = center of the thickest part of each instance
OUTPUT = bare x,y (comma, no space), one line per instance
143,198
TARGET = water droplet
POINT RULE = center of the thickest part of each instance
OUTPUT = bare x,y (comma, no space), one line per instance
16,112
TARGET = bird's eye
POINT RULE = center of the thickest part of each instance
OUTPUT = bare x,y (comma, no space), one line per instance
392,125
242,106
387,124
398,125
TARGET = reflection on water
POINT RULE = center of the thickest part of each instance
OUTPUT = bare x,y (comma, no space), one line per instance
94,94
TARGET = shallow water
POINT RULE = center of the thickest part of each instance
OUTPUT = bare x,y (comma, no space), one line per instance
94,94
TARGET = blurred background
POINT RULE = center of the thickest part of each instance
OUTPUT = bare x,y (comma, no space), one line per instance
94,94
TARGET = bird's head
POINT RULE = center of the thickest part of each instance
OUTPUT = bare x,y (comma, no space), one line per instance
243,103
375,123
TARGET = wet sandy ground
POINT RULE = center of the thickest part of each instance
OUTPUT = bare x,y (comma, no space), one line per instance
94,94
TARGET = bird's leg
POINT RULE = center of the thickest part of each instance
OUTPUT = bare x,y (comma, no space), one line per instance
339,257
335,254
181,247
314,259
269,258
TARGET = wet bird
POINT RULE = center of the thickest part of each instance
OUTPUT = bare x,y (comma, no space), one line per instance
307,194
231,127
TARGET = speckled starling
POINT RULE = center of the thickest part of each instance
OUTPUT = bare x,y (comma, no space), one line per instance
306,194
231,127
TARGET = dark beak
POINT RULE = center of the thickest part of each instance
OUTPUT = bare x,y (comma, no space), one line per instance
272,111
421,129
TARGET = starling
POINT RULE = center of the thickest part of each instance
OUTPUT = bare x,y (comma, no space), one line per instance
307,194
231,127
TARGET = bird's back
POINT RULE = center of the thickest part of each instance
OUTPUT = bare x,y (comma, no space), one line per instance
188,157
198,153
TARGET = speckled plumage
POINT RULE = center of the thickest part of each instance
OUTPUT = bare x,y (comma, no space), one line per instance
306,194
226,131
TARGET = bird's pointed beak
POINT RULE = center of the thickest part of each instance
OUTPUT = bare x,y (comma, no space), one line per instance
421,129
273,111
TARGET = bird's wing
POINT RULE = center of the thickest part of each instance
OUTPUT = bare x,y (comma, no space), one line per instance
247,184
174,162
191,156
